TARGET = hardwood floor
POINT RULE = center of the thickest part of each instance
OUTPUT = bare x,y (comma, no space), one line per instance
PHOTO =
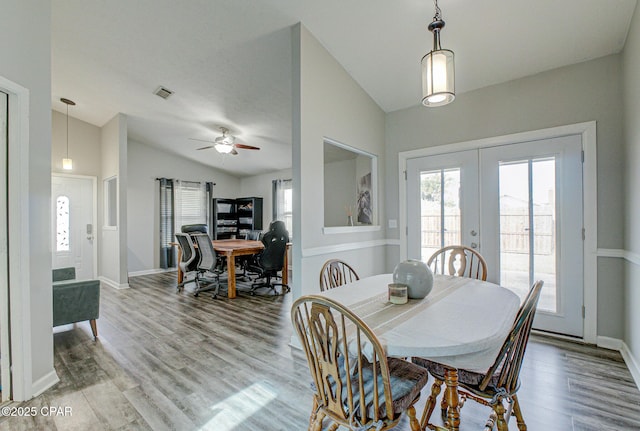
169,361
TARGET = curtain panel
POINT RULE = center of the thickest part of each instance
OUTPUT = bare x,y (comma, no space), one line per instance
167,252
181,202
282,204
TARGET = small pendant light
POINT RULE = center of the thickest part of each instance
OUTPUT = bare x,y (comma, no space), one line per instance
67,163
438,78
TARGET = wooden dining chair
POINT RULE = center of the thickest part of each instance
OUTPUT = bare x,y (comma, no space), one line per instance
458,260
335,273
355,385
500,382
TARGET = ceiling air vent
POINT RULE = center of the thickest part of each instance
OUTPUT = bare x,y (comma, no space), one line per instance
163,92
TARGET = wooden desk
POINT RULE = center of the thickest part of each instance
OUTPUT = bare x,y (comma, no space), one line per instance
462,323
238,247
232,248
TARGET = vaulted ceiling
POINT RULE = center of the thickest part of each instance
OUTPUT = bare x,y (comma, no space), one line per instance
229,62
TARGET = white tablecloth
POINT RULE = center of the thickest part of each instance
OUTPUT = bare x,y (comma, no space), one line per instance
461,323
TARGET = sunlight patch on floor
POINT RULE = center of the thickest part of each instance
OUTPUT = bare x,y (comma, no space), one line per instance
230,413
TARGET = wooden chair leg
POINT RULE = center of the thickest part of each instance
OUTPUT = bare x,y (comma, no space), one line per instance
518,414
413,422
317,425
488,426
94,328
499,409
431,403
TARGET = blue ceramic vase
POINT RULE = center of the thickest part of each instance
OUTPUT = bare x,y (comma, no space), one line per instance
416,275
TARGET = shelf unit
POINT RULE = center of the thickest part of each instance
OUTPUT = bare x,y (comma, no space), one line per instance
232,218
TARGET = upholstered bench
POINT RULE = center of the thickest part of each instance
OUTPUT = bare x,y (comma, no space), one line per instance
75,300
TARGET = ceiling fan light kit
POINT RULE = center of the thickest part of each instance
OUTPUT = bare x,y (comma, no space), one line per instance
225,144
438,76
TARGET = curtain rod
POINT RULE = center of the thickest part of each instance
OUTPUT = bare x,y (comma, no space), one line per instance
172,179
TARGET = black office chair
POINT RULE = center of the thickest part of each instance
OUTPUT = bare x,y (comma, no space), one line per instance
245,263
209,267
194,228
271,260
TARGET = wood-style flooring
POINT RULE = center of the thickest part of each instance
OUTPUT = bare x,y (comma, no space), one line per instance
170,361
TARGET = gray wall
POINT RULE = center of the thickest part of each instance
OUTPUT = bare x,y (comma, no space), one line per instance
145,165
112,257
339,190
84,145
328,103
574,94
261,186
631,85
25,44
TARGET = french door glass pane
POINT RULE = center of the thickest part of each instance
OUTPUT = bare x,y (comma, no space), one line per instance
544,231
527,228
440,210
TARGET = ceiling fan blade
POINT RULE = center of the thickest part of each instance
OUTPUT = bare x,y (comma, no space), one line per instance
246,147
205,148
201,140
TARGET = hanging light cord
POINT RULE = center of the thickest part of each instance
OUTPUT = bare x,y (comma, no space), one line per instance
67,131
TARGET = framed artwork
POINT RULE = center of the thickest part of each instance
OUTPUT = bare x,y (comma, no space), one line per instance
365,212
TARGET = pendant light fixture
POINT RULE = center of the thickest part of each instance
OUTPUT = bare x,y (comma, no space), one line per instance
438,79
67,163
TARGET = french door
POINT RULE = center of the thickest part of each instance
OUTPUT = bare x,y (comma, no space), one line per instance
520,205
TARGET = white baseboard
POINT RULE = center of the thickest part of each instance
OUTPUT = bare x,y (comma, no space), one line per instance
44,383
629,360
609,343
632,363
113,284
151,271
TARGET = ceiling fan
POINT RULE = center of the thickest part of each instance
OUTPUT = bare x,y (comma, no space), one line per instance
225,144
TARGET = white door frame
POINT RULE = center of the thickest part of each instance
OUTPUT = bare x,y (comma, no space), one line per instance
18,231
587,131
94,182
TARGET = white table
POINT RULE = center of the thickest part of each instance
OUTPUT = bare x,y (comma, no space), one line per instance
462,323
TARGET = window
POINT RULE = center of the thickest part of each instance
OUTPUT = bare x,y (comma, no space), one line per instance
62,223
283,203
181,203
190,203
111,202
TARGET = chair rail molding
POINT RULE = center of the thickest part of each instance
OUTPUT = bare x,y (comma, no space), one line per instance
629,256
347,246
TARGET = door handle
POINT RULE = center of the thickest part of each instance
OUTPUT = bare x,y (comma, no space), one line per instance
474,245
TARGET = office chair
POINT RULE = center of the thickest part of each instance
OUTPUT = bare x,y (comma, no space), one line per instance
208,264
194,228
271,259
189,260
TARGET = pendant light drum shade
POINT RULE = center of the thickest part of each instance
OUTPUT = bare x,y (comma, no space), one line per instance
438,80
438,76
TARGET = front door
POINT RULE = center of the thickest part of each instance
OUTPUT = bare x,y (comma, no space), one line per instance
73,224
520,206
